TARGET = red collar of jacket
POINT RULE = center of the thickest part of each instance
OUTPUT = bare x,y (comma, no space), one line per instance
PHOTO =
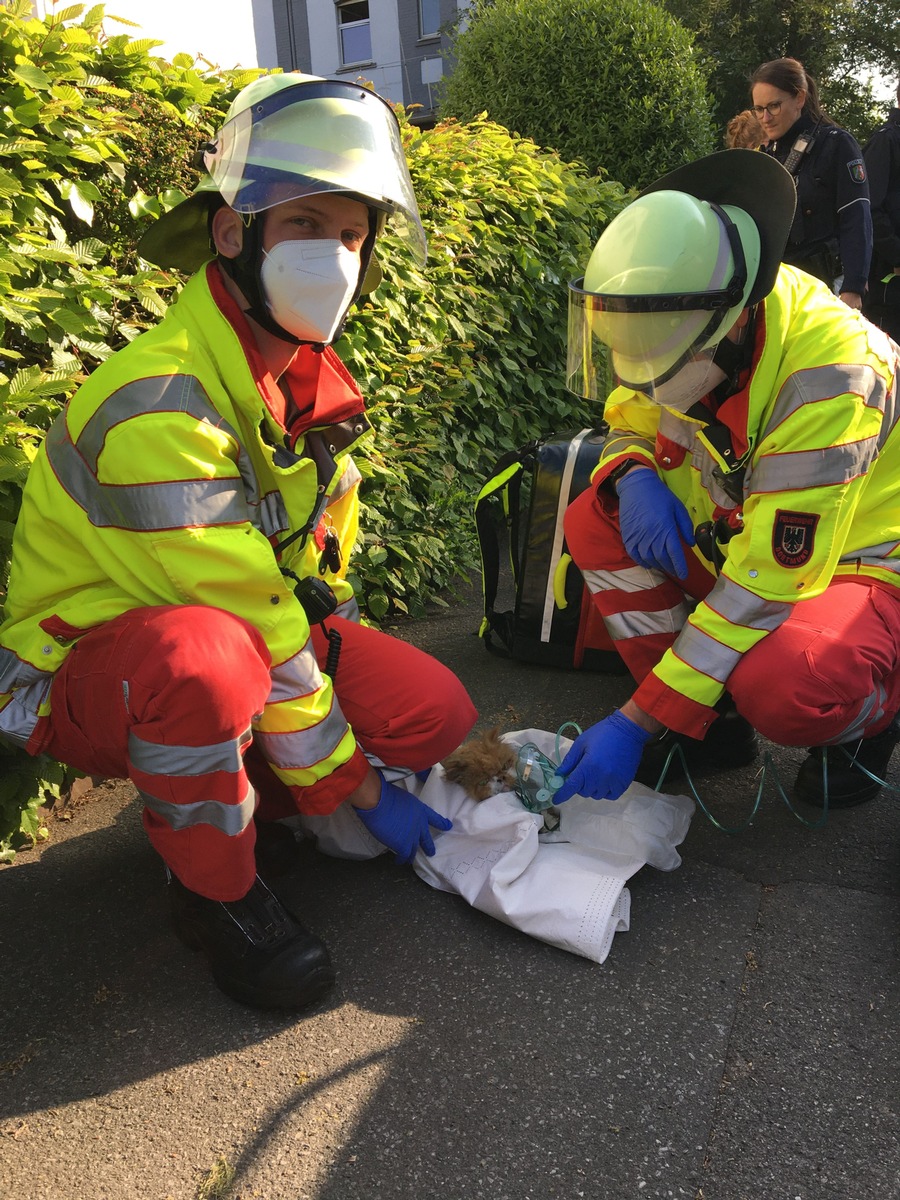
316,389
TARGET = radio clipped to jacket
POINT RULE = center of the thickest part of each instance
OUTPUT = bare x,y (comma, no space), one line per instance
316,598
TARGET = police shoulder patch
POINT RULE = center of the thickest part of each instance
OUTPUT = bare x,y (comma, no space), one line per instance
793,537
857,169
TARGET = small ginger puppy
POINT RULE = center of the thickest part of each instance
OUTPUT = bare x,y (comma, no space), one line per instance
484,766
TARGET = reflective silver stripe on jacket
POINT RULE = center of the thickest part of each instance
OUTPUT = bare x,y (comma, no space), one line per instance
230,819
273,518
820,385
620,440
830,466
348,480
301,749
349,610
297,676
15,672
20,716
891,408
682,433
705,654
154,758
154,506
873,556
740,606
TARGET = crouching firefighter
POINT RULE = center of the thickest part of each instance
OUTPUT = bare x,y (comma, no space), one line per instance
742,536
199,479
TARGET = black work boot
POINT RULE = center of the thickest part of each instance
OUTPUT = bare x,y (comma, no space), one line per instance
258,953
731,741
847,785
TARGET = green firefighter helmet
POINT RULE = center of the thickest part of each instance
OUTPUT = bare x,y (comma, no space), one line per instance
291,135
672,272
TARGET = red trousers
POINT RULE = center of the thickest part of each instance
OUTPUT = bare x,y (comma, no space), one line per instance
164,696
830,673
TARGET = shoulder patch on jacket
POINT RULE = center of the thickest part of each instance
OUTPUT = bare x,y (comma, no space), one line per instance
857,169
793,537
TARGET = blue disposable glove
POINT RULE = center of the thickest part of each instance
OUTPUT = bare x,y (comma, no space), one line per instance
603,760
401,822
653,522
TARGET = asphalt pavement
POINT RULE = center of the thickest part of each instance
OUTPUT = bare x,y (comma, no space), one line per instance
739,1043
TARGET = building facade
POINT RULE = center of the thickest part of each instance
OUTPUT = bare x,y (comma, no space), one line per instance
396,45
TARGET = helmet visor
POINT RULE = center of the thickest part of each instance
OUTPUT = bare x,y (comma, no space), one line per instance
641,350
344,138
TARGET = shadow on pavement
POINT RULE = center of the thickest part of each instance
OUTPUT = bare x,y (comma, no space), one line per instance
739,1042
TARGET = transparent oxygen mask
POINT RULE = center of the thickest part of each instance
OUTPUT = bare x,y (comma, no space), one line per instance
538,781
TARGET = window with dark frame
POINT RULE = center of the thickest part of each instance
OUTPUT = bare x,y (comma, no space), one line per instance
355,32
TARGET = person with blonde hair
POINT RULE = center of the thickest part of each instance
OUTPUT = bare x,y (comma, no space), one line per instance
744,132
831,236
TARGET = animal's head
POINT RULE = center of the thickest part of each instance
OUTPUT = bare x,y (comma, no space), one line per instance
484,766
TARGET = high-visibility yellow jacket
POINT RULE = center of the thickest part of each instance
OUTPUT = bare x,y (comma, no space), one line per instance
814,431
171,477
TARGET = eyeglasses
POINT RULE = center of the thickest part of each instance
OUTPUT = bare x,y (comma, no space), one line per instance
772,109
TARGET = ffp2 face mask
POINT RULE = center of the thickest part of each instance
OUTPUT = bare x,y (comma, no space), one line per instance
694,381
308,285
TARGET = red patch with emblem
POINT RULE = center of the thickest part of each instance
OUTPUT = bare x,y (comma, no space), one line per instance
793,537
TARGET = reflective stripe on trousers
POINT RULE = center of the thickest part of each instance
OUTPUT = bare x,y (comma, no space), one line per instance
165,696
643,610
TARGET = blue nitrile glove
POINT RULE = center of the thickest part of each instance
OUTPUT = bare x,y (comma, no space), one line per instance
653,522
603,760
401,822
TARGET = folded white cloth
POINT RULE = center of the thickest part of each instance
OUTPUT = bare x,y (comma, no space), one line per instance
567,887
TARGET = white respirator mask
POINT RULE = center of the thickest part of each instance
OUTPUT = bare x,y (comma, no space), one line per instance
694,381
308,286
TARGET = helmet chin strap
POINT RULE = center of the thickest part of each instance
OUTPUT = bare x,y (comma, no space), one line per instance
246,266
734,357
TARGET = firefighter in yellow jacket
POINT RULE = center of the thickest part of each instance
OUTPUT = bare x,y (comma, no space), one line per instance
168,617
742,535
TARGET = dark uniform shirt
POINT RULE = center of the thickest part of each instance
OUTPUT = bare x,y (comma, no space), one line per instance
882,154
833,218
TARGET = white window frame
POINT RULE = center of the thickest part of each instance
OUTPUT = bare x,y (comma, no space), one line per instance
345,25
429,33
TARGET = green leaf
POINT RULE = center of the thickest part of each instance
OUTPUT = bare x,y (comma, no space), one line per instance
75,36
78,198
32,76
378,604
